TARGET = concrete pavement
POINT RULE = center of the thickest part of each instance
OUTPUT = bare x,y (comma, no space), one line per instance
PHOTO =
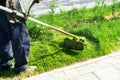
102,68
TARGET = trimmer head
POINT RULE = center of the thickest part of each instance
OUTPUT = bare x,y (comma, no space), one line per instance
74,44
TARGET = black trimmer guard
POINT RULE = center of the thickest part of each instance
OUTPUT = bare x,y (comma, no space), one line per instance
74,44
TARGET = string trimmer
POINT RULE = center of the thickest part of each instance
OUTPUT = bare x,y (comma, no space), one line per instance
77,43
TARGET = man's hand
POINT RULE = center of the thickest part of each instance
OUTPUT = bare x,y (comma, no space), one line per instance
37,1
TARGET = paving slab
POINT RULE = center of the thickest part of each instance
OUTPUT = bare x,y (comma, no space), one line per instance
108,73
89,76
117,66
60,76
88,68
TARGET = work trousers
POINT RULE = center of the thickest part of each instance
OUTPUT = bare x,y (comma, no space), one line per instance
16,37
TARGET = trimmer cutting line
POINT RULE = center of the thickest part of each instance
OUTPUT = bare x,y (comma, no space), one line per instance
77,43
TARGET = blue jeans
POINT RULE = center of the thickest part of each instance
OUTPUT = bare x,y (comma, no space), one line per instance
15,35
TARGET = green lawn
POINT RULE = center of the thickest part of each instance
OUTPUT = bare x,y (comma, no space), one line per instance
46,53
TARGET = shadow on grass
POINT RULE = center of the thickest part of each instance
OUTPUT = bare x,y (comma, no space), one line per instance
7,74
66,51
43,56
70,52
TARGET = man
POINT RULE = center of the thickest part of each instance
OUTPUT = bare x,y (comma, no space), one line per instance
13,33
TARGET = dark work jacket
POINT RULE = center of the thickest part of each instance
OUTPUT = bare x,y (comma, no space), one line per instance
14,5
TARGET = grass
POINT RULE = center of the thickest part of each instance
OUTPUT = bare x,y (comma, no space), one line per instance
46,53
